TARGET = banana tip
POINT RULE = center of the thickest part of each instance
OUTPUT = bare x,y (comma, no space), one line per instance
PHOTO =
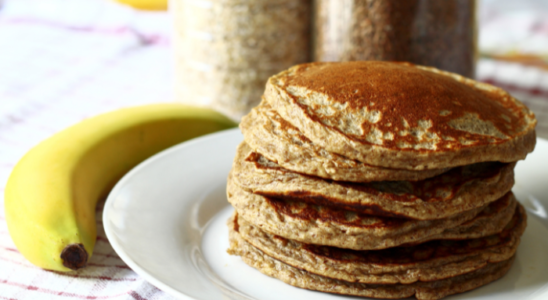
74,256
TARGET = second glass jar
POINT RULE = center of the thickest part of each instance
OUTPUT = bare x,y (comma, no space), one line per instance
438,33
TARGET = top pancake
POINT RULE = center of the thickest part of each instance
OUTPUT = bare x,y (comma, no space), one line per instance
402,116
270,135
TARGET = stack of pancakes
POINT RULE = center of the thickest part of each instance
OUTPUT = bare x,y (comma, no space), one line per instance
377,179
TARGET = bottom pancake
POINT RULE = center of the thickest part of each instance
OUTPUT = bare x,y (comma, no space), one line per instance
430,261
421,290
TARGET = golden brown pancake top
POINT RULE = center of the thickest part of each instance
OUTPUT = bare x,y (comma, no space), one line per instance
400,106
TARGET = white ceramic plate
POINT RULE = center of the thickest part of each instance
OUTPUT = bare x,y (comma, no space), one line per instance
166,219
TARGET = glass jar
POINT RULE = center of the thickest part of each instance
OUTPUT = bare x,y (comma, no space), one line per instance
225,50
438,33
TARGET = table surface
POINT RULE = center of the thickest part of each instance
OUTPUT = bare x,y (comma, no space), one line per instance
64,61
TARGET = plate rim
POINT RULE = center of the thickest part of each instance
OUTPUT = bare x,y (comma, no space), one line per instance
106,211
119,249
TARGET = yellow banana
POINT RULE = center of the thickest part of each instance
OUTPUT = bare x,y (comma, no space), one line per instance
51,194
146,4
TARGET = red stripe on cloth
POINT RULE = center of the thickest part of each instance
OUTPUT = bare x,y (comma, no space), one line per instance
11,249
94,253
532,91
14,119
105,278
136,296
102,239
145,39
112,255
89,264
108,266
58,293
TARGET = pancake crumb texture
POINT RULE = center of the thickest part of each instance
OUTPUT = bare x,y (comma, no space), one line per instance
402,116
378,179
428,261
279,141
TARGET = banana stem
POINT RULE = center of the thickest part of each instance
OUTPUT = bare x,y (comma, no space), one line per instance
74,256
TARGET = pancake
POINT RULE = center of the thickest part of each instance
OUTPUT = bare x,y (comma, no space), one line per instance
489,221
421,290
321,225
397,115
279,141
458,190
434,260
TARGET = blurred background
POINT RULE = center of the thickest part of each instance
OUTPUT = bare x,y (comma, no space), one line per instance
64,60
